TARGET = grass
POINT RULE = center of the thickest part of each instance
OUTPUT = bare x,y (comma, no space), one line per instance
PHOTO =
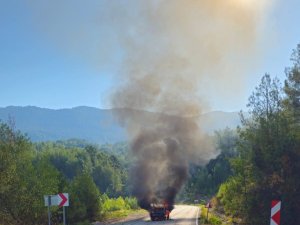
116,214
215,218
119,214
211,220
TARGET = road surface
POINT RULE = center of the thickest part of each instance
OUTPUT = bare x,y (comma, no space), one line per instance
180,215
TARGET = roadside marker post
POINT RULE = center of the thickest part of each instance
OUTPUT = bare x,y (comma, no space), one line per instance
208,206
275,212
64,215
49,201
49,213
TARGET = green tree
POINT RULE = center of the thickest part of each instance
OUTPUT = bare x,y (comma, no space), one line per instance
291,159
228,196
266,166
292,86
262,146
23,183
85,198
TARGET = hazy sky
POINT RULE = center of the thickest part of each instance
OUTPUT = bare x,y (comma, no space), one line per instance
41,64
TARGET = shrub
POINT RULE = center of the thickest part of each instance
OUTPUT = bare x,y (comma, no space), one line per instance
131,203
110,205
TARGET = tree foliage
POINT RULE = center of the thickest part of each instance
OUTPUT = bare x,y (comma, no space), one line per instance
268,162
85,198
29,171
292,86
22,182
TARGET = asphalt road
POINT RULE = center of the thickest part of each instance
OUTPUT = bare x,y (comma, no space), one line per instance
180,215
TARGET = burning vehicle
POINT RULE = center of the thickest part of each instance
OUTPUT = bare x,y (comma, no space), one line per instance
160,212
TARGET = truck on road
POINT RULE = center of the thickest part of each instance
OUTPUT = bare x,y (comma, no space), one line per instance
159,212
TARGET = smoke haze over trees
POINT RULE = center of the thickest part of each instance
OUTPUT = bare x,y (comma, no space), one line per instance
171,60
171,54
260,163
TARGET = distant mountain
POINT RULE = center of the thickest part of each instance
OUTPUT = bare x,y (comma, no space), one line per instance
88,123
92,124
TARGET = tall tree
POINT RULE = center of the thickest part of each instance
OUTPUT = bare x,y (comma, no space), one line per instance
268,164
292,85
262,142
291,160
85,197
22,182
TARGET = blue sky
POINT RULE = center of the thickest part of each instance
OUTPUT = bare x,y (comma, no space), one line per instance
37,68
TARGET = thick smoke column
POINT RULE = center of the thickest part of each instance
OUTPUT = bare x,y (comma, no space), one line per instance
173,51
173,58
163,150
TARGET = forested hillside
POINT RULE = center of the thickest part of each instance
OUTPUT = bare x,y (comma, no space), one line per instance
97,181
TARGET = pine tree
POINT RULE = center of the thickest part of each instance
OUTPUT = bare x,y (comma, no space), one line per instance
292,85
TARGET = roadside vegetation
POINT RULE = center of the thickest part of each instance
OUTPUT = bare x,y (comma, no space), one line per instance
95,180
260,161
207,217
214,216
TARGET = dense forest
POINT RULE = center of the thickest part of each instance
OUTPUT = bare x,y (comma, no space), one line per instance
258,162
95,179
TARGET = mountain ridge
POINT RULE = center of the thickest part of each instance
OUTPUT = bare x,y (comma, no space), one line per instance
89,123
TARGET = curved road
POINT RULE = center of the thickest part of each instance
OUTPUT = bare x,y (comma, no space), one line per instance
180,215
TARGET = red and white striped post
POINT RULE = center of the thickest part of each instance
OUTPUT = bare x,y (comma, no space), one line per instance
275,212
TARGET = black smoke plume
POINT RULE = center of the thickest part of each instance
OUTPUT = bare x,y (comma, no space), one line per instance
163,146
174,54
